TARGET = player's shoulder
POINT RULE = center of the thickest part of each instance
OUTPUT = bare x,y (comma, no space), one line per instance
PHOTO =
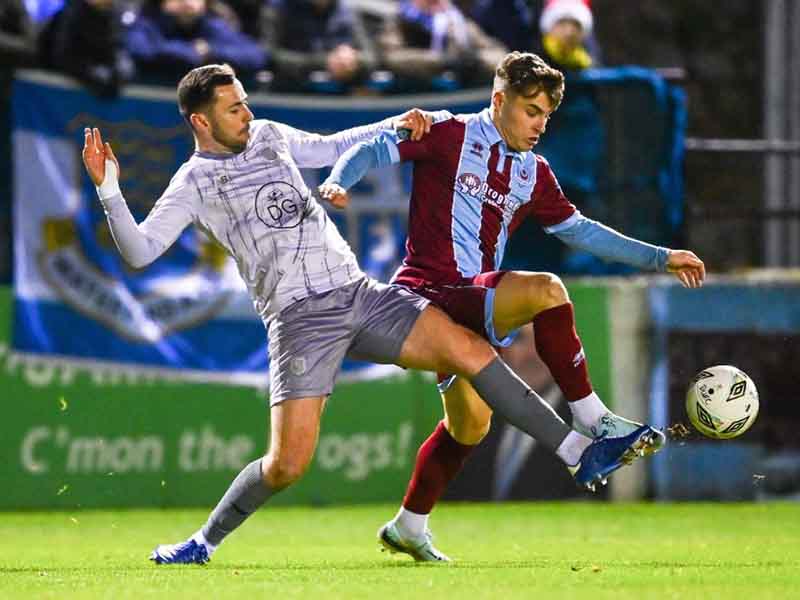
185,171
446,123
184,177
545,175
543,166
260,128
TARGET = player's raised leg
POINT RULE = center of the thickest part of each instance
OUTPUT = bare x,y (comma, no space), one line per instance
518,298
437,343
542,298
293,440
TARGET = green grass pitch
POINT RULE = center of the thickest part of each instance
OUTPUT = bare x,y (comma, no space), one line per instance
536,550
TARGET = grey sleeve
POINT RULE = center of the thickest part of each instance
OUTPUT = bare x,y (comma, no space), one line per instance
314,150
141,244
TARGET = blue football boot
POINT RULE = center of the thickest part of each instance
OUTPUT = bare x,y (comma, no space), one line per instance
607,454
188,552
611,425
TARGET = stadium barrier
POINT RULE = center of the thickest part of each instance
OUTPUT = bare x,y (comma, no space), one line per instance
751,321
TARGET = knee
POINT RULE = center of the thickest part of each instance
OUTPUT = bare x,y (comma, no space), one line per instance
548,291
469,432
469,429
282,471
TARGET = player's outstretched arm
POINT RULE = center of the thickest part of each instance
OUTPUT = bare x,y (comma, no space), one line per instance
351,167
136,247
380,151
313,150
609,244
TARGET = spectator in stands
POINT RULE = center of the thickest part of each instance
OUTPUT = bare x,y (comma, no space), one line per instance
169,37
566,35
432,41
17,36
84,40
512,22
320,45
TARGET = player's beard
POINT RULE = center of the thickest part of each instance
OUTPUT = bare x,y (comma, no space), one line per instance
233,144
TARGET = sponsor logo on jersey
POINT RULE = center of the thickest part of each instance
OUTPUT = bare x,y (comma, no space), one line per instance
472,185
270,154
469,183
280,205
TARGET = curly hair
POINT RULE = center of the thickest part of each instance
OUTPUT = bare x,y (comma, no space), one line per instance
527,74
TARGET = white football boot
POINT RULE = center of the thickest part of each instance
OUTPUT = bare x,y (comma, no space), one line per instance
420,549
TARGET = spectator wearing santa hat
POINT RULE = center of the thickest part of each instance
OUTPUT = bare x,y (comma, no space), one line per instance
567,41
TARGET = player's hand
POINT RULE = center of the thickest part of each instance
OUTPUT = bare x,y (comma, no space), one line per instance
335,194
95,153
685,265
418,122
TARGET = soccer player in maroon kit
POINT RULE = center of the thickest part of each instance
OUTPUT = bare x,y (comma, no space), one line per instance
475,179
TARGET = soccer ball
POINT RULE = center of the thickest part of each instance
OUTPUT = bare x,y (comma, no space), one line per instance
722,402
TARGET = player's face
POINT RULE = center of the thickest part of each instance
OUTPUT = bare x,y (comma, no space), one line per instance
229,117
522,119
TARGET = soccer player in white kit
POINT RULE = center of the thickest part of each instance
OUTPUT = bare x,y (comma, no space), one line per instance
243,187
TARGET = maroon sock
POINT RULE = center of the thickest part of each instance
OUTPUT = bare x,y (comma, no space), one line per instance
560,348
439,459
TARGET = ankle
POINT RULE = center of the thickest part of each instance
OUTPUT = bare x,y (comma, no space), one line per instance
200,538
410,524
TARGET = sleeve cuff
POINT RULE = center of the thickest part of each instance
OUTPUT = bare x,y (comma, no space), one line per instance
662,256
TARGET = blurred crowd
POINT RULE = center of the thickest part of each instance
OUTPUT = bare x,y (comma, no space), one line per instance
361,47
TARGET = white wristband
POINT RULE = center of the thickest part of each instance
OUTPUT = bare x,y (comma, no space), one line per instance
110,184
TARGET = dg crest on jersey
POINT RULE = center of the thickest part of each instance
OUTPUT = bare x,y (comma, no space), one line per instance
280,205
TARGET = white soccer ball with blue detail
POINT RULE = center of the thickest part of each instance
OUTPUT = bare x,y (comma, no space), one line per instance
722,402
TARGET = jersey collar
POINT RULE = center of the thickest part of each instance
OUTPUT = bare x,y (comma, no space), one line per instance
493,136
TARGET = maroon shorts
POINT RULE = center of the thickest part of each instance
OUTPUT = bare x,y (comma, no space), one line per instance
469,303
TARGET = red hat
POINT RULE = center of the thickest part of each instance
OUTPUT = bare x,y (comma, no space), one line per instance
577,10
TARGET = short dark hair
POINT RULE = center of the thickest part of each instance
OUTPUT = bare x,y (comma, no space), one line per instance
525,73
196,89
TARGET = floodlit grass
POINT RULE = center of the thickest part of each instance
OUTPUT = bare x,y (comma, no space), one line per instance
543,551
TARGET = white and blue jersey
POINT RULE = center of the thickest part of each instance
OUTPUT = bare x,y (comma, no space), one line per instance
470,192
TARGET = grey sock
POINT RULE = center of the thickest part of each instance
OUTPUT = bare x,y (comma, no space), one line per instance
245,495
512,399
